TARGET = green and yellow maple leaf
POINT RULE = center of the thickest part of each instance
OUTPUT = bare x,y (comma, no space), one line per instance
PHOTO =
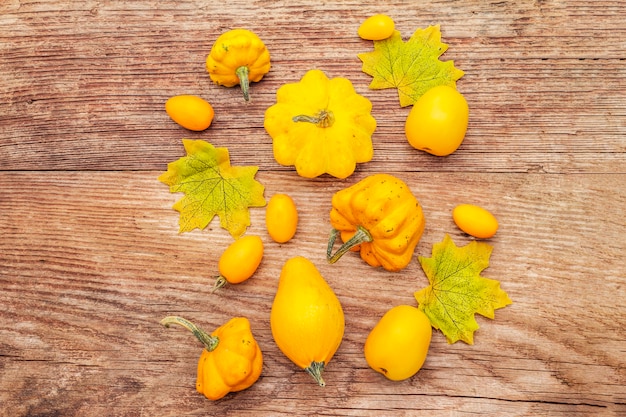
457,290
413,67
212,187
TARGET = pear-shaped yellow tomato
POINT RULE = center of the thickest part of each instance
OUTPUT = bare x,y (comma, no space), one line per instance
191,112
376,27
307,320
281,218
397,346
239,261
438,121
475,221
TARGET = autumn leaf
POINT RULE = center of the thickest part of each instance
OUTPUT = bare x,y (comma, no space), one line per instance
412,67
212,187
457,290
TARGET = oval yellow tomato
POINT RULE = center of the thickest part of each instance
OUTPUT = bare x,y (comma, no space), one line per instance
438,121
240,260
475,221
281,218
190,112
397,346
376,28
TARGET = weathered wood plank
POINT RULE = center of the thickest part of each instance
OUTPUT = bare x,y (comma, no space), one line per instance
533,123
90,257
91,261
531,91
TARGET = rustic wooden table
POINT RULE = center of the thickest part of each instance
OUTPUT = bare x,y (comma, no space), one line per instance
91,258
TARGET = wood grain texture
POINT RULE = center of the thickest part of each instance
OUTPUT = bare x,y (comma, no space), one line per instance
91,258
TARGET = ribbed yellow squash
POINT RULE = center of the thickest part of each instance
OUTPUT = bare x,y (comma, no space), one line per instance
380,217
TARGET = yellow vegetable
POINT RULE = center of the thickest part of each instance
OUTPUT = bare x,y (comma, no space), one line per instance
475,221
438,121
380,217
191,112
281,218
397,346
231,359
307,320
321,125
377,27
239,261
236,58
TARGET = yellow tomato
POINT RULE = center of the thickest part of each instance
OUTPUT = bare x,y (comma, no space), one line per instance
281,218
437,123
191,112
240,260
376,28
397,346
475,221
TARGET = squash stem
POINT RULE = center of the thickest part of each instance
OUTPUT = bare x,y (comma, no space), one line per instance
315,370
360,236
209,342
324,118
242,73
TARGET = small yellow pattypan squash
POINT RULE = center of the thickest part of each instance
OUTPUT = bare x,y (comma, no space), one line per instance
231,360
321,125
236,58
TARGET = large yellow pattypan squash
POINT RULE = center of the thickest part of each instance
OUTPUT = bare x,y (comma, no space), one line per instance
321,125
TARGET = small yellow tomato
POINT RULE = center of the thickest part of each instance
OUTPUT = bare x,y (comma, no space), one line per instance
397,346
376,28
438,121
190,112
281,218
240,260
475,221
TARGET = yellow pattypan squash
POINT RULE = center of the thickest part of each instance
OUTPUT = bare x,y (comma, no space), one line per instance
231,359
321,125
380,217
236,58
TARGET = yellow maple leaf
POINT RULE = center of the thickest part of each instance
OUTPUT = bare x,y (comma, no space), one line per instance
457,290
412,67
212,187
